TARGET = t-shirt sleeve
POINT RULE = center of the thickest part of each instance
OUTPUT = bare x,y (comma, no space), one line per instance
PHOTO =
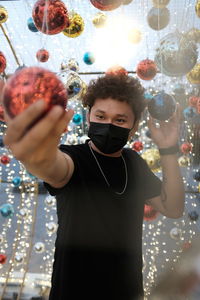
55,191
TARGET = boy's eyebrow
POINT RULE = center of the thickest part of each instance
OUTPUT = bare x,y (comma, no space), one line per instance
118,115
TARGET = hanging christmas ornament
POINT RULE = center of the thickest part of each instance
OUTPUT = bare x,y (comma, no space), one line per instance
176,56
3,14
31,25
77,119
184,161
158,18
106,4
72,82
134,36
193,101
116,70
197,8
42,55
160,3
5,160
2,62
71,139
137,146
175,233
39,247
152,158
50,16
16,181
7,210
99,20
73,65
19,258
76,25
193,215
189,113
88,58
146,69
186,148
150,213
194,75
3,258
193,35
30,85
162,106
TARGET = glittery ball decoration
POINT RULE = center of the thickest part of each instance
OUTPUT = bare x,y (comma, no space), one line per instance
189,113
50,200
152,158
77,119
116,70
76,25
19,258
134,36
106,5
5,159
176,56
158,18
146,69
175,233
194,75
193,215
50,16
162,106
196,176
160,3
7,210
193,101
72,83
39,247
99,20
16,181
73,65
197,8
193,35
42,55
184,161
3,14
88,58
3,62
2,113
150,213
3,258
23,213
51,227
30,85
137,146
31,25
186,148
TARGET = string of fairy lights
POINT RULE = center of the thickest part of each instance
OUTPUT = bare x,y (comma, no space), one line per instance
18,227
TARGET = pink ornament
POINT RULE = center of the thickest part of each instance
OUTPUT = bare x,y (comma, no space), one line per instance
116,70
50,16
106,5
193,101
186,148
2,62
42,55
146,69
137,146
150,213
29,85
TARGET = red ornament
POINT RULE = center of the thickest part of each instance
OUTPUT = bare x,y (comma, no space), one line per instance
5,159
42,55
2,114
106,4
187,245
50,16
193,101
137,146
186,148
146,69
29,85
116,70
3,258
150,213
2,62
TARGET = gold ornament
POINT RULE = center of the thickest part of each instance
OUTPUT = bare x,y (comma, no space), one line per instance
99,20
160,3
3,14
194,75
184,161
76,25
152,158
197,8
83,90
193,35
134,36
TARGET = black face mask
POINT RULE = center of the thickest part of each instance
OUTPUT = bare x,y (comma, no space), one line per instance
107,137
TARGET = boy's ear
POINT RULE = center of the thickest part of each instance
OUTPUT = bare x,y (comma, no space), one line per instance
88,118
133,130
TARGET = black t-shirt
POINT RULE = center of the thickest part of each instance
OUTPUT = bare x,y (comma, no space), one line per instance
99,240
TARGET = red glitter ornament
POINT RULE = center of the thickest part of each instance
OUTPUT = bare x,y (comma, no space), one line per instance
2,114
150,213
193,101
42,55
3,258
5,159
29,85
116,70
50,16
186,148
106,5
2,62
137,146
146,69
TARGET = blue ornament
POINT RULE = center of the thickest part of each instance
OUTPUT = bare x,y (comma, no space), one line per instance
88,58
197,176
148,96
77,119
31,25
7,210
161,106
193,215
190,112
16,181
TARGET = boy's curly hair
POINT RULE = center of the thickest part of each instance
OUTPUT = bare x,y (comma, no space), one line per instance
119,87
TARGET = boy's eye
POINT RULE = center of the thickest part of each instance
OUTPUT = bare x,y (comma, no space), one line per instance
120,120
99,116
